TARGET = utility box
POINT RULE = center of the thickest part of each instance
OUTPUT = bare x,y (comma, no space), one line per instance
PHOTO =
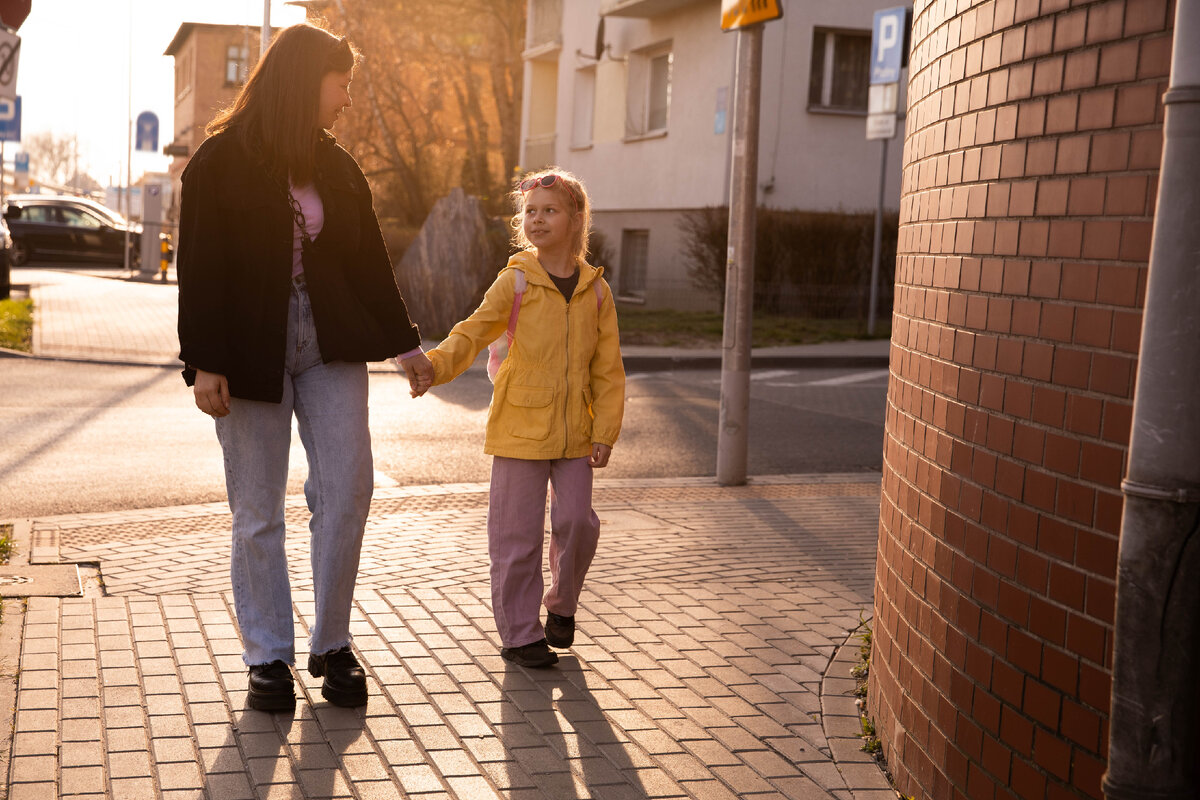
152,225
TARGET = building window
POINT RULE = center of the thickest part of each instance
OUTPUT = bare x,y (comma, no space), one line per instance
635,252
584,101
236,65
545,24
649,91
840,70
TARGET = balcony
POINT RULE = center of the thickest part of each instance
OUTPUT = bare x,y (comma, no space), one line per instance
645,8
539,151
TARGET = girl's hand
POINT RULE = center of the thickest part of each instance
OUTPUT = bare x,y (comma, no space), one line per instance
599,457
420,374
212,393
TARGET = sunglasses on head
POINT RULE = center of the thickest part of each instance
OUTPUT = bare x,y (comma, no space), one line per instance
545,182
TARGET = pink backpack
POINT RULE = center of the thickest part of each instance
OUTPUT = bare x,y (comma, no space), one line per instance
498,350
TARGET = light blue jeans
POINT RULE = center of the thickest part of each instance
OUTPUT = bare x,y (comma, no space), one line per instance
330,405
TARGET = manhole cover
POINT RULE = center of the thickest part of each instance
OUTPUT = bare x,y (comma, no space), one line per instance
40,580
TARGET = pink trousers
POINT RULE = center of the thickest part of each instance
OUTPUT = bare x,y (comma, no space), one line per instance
516,530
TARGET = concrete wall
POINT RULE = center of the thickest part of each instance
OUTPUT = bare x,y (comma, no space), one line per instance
1030,175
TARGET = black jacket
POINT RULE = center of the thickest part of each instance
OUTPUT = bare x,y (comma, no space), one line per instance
235,265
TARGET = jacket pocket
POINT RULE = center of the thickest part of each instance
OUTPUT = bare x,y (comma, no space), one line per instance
528,411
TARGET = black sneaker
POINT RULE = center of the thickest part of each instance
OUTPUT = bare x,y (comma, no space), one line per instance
345,682
271,687
560,630
535,655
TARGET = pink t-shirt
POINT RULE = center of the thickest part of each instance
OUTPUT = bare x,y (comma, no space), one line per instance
314,220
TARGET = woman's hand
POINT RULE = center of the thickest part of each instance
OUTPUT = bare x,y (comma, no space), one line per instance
212,393
599,457
419,370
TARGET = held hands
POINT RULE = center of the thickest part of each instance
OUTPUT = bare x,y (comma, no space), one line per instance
212,393
420,373
599,457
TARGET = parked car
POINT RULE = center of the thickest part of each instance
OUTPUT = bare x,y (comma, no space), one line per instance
66,228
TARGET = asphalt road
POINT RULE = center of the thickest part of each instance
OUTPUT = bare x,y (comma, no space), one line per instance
85,437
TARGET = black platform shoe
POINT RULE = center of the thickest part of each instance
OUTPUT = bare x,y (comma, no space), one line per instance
271,687
345,681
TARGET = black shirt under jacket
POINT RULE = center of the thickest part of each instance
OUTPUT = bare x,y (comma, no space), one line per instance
234,265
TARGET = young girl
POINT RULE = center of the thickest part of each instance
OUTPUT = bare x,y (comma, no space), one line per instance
556,412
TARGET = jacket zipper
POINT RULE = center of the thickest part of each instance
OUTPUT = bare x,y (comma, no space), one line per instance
567,379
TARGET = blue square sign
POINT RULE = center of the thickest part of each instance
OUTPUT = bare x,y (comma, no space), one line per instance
10,120
887,44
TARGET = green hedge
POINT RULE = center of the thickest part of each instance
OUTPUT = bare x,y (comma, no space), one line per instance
806,263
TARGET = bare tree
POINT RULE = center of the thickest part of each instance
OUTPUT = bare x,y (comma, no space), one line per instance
51,156
441,86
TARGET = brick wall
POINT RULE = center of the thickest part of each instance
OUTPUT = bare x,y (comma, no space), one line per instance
1034,133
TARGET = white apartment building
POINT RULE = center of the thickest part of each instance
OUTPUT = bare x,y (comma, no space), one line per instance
636,98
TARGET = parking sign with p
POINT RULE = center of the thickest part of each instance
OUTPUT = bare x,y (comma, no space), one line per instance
889,44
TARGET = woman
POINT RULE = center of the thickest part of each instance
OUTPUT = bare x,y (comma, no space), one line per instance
285,291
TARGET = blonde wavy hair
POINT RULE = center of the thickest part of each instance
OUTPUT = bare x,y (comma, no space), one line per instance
574,196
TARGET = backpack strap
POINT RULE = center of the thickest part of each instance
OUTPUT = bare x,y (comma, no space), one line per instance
519,292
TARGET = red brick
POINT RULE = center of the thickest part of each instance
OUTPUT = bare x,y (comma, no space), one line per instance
1087,638
985,123
1072,154
1069,30
992,52
1119,62
1021,198
1033,569
1101,239
1058,322
1034,236
1031,118
1072,368
1096,109
1029,443
1135,240
1127,331
1066,239
1042,703
1136,105
1105,21
1145,150
1061,112
1039,37
1062,454
1009,685
1039,490
1006,123
1026,314
1086,197
997,199
1154,60
1112,374
1067,585
1048,75
1079,281
1020,81
1049,406
1093,326
1076,502
1026,780
1145,16
1012,160
1045,279
1083,414
1126,195
1006,237
1060,669
1080,69
1039,158
1004,14
1024,652
1039,359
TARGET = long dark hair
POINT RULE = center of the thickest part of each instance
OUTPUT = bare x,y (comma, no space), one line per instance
275,113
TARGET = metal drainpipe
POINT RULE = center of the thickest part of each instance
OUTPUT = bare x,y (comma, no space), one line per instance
1154,728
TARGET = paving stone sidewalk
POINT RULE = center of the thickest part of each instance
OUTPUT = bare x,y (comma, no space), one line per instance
716,636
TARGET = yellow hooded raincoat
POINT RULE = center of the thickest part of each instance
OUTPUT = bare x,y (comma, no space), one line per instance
562,386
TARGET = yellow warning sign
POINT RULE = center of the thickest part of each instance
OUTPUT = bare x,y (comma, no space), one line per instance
740,13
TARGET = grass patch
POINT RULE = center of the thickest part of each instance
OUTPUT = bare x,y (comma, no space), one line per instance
6,542
667,328
16,324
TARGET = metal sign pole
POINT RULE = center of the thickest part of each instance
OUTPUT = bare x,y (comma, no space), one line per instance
732,433
877,247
